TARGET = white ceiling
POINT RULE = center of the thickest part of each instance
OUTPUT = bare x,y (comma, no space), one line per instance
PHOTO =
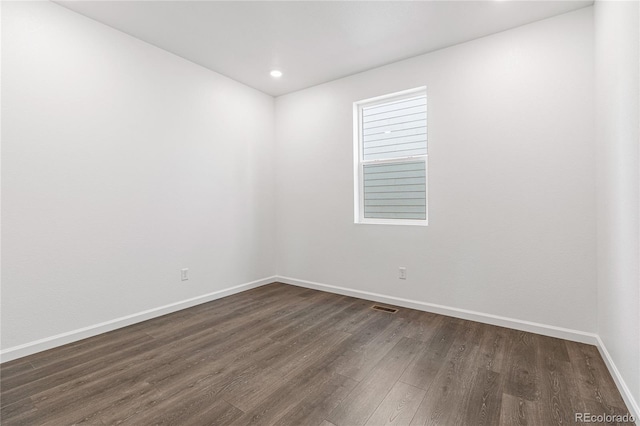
312,42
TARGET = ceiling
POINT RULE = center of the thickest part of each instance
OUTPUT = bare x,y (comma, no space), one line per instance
312,42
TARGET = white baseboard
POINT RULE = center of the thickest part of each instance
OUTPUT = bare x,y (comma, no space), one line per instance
532,327
632,404
93,330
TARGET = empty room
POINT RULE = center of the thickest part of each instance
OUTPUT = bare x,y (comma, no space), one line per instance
322,213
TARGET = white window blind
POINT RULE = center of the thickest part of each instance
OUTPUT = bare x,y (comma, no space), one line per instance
392,152
395,129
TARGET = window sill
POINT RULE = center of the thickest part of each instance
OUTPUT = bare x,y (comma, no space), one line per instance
409,222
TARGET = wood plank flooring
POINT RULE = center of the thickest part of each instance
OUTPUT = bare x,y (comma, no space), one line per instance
284,355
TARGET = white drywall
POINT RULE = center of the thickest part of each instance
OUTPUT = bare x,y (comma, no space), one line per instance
617,39
512,227
122,164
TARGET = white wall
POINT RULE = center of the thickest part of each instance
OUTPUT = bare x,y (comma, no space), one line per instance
104,201
617,94
122,164
511,179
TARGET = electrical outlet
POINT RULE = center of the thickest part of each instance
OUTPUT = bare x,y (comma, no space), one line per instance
402,273
184,274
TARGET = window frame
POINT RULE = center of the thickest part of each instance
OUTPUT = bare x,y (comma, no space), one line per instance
359,162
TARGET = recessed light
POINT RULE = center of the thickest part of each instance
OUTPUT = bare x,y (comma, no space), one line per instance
276,73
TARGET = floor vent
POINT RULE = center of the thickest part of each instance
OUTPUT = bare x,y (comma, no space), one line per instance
384,309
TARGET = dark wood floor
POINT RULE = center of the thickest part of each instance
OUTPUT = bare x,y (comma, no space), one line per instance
286,355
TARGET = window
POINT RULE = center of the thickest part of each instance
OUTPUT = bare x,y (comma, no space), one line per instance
390,167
